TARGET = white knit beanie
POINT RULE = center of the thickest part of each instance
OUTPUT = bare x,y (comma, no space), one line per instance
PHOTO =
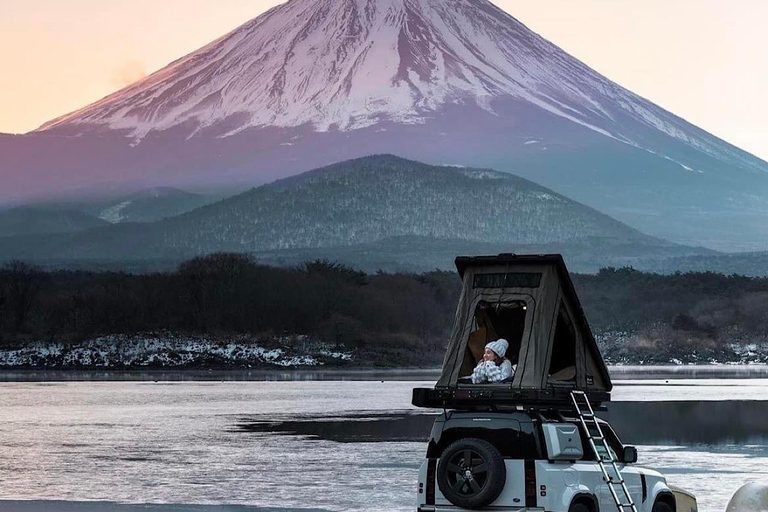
499,346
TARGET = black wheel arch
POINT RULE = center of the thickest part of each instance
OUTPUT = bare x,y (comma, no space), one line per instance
448,437
668,498
513,442
587,499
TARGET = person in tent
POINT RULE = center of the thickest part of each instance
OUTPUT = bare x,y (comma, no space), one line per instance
494,367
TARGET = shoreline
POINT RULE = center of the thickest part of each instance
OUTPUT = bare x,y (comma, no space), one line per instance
617,372
219,374
43,505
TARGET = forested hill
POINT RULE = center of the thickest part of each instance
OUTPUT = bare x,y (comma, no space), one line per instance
227,310
36,221
375,198
369,200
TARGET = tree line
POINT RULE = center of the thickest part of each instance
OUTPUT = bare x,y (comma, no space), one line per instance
376,315
383,317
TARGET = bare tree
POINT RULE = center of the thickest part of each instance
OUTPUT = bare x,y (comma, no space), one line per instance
211,280
23,282
3,300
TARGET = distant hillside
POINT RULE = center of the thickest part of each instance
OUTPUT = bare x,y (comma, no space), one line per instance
373,198
365,201
151,205
146,205
747,264
423,254
30,220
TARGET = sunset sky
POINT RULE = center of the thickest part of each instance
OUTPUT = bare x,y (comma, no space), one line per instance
704,60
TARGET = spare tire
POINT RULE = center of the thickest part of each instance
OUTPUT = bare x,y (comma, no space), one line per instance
471,473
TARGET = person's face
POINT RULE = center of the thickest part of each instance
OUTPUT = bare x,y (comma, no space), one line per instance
489,355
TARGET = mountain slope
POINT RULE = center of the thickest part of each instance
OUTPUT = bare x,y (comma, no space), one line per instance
312,82
373,200
39,220
347,64
147,205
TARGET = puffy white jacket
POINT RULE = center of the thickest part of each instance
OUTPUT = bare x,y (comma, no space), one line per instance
488,371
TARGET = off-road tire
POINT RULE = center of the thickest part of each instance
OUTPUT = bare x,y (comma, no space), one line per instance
471,473
661,506
578,507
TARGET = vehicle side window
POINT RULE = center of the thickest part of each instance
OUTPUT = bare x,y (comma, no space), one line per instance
508,442
513,442
529,448
604,454
614,444
613,441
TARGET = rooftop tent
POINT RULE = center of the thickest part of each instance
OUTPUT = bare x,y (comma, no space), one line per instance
531,302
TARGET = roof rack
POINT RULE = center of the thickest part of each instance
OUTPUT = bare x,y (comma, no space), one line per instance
483,396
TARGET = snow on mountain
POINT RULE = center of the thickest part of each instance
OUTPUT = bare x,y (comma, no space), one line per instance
315,82
113,214
148,205
348,64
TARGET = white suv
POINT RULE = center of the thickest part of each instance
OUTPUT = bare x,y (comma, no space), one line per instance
530,460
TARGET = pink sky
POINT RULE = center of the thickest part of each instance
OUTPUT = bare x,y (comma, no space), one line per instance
704,60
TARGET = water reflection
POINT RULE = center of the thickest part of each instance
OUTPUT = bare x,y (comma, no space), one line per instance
690,422
649,423
752,371
333,445
715,371
225,375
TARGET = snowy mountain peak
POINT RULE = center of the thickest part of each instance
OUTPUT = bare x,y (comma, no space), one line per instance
348,64
313,82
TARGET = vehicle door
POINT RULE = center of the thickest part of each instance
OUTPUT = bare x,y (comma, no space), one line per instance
629,473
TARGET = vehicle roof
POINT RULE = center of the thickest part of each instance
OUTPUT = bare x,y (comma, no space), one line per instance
518,415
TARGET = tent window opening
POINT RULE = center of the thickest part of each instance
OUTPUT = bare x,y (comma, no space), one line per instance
562,366
491,321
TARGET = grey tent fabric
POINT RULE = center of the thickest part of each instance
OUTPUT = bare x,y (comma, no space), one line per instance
556,347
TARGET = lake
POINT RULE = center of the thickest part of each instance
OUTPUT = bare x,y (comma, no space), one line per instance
336,445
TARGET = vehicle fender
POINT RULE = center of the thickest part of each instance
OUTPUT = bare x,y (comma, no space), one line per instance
579,492
421,498
660,489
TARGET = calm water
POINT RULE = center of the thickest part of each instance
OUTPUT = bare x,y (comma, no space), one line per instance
721,371
185,442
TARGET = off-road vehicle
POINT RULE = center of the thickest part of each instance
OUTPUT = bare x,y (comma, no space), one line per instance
535,441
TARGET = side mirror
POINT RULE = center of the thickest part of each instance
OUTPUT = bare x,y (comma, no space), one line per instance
630,455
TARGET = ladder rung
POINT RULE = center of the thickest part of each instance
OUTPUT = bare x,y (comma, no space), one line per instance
626,504
615,482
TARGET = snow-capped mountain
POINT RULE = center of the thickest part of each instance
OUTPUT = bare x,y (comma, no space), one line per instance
349,64
312,82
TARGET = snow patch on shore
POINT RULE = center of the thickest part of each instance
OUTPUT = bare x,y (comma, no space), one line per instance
171,351
658,348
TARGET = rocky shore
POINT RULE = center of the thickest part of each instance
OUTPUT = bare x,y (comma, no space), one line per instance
164,350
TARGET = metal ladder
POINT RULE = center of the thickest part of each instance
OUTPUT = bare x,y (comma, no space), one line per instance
589,422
